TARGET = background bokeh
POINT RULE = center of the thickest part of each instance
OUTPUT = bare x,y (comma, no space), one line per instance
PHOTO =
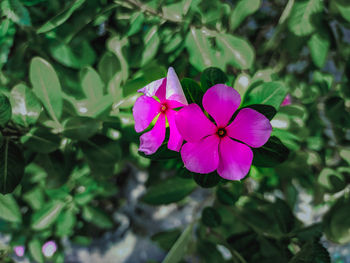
70,171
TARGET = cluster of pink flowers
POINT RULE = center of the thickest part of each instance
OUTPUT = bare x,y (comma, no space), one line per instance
224,146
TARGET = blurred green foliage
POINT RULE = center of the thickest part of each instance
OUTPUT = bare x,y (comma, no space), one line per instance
69,72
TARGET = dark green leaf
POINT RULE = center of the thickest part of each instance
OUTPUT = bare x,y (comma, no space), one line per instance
210,217
312,252
271,154
80,128
15,11
97,217
206,180
166,239
169,191
5,110
212,76
61,17
11,166
41,140
192,90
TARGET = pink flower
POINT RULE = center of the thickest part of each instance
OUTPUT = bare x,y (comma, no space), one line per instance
170,95
19,250
287,100
225,146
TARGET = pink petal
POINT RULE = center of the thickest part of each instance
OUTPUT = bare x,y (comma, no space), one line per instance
192,124
144,111
151,89
287,100
175,139
173,88
202,156
235,159
160,94
172,104
152,140
221,101
250,127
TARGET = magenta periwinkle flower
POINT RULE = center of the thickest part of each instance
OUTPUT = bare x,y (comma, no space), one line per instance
226,145
287,100
19,251
49,248
160,99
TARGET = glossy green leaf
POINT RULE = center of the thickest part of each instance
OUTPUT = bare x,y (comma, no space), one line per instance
108,66
212,76
319,45
9,209
199,49
301,20
46,87
65,223
11,166
5,110
268,93
343,7
61,17
92,84
41,140
47,215
243,9
7,32
15,11
25,106
179,249
271,153
80,128
311,252
136,22
235,51
152,41
169,191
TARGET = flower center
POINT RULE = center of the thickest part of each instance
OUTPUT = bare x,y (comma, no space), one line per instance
163,108
221,132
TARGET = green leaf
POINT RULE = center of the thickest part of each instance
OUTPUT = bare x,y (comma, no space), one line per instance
61,17
271,154
97,217
5,110
331,180
46,216
169,191
35,198
199,49
229,195
235,51
77,55
173,12
267,110
25,106
209,252
46,87
65,223
336,223
243,9
210,217
206,180
41,140
11,166
312,252
343,8
136,22
81,128
15,11
152,41
212,76
92,84
9,209
319,45
35,250
179,249
166,239
268,93
192,90
7,33
108,66
301,20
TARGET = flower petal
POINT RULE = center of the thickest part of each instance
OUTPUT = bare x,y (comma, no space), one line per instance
203,156
221,102
152,140
144,111
151,89
192,124
235,159
250,127
175,138
173,88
